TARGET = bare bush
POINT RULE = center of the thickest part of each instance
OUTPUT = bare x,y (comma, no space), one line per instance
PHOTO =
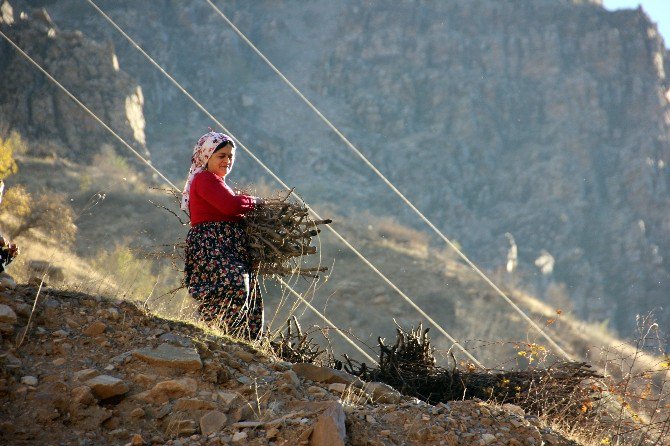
8,147
50,213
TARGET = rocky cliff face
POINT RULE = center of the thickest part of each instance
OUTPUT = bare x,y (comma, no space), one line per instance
557,134
548,120
31,104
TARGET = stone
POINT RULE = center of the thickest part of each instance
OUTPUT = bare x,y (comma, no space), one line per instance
29,381
171,389
82,395
239,436
11,361
171,356
138,412
323,374
337,387
105,386
7,282
246,356
58,362
212,422
95,329
245,380
136,440
182,427
110,313
329,429
176,339
382,393
193,404
271,432
85,374
119,433
487,439
7,315
291,377
164,411
23,309
513,408
227,397
144,380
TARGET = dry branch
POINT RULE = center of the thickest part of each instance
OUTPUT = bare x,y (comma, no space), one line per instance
295,346
280,233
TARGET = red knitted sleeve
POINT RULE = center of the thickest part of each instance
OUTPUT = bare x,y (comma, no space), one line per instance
213,190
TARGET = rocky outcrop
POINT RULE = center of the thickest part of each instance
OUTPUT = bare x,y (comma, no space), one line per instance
546,120
33,105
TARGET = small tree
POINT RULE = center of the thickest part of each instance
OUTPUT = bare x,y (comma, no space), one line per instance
8,147
50,213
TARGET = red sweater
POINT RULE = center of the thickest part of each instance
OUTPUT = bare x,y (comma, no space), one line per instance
211,199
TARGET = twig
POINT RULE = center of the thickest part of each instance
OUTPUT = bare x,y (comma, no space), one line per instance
32,311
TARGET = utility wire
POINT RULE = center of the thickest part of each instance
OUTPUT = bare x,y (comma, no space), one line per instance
93,115
120,139
324,318
388,182
269,171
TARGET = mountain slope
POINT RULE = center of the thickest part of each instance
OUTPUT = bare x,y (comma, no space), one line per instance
545,119
96,371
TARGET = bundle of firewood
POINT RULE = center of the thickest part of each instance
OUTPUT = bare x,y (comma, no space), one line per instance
280,234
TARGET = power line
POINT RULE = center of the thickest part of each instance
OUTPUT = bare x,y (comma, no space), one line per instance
324,318
120,139
93,115
267,169
388,182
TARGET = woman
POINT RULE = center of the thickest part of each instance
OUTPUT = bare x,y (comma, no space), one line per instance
218,270
7,250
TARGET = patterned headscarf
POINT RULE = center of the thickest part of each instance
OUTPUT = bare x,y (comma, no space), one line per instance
202,151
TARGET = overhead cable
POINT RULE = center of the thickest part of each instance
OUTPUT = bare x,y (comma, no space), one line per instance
120,139
386,181
271,173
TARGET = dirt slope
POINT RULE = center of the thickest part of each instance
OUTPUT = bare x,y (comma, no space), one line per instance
96,371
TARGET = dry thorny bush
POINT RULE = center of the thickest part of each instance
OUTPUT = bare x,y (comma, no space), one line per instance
626,404
630,409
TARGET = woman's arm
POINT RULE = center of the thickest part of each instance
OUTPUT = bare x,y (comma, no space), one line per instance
217,193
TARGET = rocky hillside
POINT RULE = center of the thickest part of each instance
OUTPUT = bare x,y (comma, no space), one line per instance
85,370
547,120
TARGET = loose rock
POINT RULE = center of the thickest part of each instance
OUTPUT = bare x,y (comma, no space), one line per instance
105,386
212,422
167,355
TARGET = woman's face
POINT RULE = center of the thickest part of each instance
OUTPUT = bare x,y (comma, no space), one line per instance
221,162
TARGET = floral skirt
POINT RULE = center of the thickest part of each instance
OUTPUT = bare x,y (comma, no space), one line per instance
7,253
219,277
